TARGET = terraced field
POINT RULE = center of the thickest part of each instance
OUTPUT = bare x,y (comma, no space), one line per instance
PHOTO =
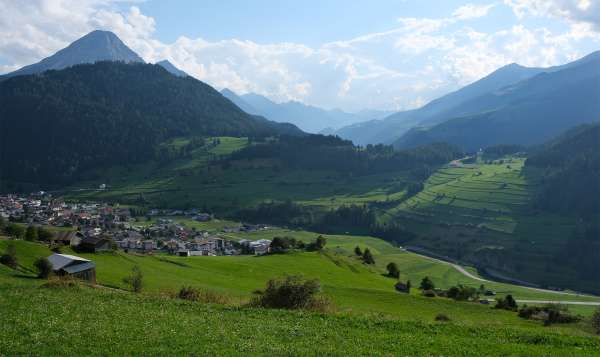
488,195
484,214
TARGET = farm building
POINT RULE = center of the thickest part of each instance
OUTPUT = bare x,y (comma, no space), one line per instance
95,244
69,238
70,265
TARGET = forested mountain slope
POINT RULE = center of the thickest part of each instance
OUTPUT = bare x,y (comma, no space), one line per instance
60,123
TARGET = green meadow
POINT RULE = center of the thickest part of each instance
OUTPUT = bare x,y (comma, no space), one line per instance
371,318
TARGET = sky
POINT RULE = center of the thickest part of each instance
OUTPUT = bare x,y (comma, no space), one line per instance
352,55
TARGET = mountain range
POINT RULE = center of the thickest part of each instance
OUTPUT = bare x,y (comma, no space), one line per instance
436,120
308,118
95,115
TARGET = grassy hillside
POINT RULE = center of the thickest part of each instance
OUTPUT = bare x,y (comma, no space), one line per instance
156,326
484,214
194,182
78,320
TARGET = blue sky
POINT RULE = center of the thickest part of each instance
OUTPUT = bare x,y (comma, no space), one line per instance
353,55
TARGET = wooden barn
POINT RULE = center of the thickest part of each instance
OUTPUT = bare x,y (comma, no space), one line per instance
70,265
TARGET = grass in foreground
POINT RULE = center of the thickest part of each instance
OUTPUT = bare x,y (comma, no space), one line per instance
85,321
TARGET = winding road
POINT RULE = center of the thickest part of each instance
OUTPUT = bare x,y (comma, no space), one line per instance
466,273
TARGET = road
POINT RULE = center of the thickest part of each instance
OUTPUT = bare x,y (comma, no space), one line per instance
466,273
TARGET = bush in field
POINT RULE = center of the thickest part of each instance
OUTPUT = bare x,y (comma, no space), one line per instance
292,292
9,258
200,295
61,282
429,293
368,257
442,318
393,271
318,244
44,268
135,280
549,314
596,321
507,303
31,234
44,234
15,230
462,293
427,284
358,251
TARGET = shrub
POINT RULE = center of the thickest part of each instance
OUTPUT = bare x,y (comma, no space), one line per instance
61,282
442,318
427,284
9,258
43,267
368,257
31,234
45,235
15,230
200,295
358,251
462,293
393,270
318,244
290,292
429,293
506,303
596,321
135,280
549,314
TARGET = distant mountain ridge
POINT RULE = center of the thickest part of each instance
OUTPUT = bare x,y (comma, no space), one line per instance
306,117
171,68
526,113
94,47
453,105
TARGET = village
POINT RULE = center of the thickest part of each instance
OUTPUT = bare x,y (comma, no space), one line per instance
100,227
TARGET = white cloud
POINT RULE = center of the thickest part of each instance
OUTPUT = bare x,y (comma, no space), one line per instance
472,11
400,68
575,11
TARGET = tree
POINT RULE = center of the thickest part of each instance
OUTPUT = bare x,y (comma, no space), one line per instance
44,268
393,270
427,284
368,257
320,243
596,321
357,251
31,234
135,280
15,230
9,258
408,286
44,234
507,303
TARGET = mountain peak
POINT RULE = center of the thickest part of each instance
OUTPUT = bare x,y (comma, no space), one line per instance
170,67
98,45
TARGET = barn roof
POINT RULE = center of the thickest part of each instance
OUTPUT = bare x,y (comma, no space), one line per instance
60,261
72,269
